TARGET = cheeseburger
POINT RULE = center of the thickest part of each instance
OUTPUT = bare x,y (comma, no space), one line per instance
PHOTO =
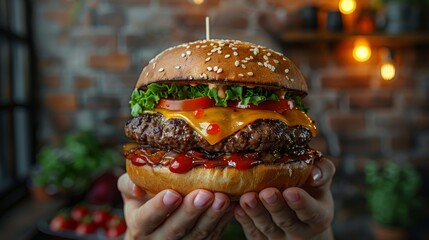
220,115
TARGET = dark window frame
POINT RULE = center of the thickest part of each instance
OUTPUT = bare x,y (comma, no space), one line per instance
17,189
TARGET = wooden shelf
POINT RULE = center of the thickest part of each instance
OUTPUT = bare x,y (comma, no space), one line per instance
376,39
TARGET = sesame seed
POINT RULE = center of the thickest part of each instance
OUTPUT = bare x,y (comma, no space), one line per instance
251,57
287,70
211,44
203,46
215,68
187,47
210,53
183,55
234,48
219,52
243,66
241,75
177,67
219,70
208,59
276,61
188,53
292,80
190,78
236,63
265,57
250,74
273,68
209,69
260,64
235,53
287,77
227,56
245,60
268,54
161,70
284,59
198,46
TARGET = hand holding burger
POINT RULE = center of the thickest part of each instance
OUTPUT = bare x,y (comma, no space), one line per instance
220,115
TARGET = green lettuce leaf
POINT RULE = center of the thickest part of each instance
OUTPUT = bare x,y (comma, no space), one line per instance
146,100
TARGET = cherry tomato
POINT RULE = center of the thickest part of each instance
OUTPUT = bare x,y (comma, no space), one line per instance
115,227
101,216
86,227
187,104
62,222
79,212
280,106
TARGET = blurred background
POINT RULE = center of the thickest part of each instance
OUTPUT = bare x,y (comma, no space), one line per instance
68,68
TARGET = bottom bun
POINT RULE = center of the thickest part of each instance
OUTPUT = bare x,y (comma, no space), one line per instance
228,180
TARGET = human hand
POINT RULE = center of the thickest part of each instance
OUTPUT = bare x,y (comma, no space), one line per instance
297,213
199,215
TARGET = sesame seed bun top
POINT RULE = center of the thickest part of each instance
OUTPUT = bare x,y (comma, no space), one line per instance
224,62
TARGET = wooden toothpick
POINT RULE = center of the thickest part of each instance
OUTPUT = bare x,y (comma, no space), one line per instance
207,28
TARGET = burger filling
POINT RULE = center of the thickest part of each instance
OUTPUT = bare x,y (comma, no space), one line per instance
186,126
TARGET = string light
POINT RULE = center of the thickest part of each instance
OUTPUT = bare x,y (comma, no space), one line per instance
387,69
198,2
347,6
361,50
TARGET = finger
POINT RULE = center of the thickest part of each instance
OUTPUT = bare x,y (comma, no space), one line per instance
282,215
184,218
128,189
208,220
321,173
317,214
223,223
259,215
247,224
149,216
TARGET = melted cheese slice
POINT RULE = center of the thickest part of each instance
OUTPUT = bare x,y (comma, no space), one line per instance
230,120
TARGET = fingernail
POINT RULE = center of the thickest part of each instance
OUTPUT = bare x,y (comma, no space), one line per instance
271,198
218,204
316,174
202,199
170,198
292,196
252,203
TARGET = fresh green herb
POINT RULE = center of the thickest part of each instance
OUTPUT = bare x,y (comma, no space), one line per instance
298,102
146,100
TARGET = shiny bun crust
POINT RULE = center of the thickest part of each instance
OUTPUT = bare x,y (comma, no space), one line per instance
224,62
227,180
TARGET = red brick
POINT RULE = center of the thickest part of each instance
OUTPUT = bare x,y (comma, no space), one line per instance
112,61
371,100
147,40
62,17
98,102
402,141
345,123
360,145
50,62
100,40
114,19
399,82
189,3
421,121
61,101
82,82
62,122
344,82
52,81
416,100
191,21
391,122
117,121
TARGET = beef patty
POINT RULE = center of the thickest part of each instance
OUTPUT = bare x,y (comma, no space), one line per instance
261,135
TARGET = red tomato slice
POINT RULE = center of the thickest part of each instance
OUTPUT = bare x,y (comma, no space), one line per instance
280,106
187,104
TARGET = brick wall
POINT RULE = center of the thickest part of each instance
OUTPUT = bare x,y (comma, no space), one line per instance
91,53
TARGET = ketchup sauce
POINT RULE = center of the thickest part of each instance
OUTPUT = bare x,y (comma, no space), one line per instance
183,162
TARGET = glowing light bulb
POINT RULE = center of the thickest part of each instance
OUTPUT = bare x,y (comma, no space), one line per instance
387,71
347,6
361,51
198,2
